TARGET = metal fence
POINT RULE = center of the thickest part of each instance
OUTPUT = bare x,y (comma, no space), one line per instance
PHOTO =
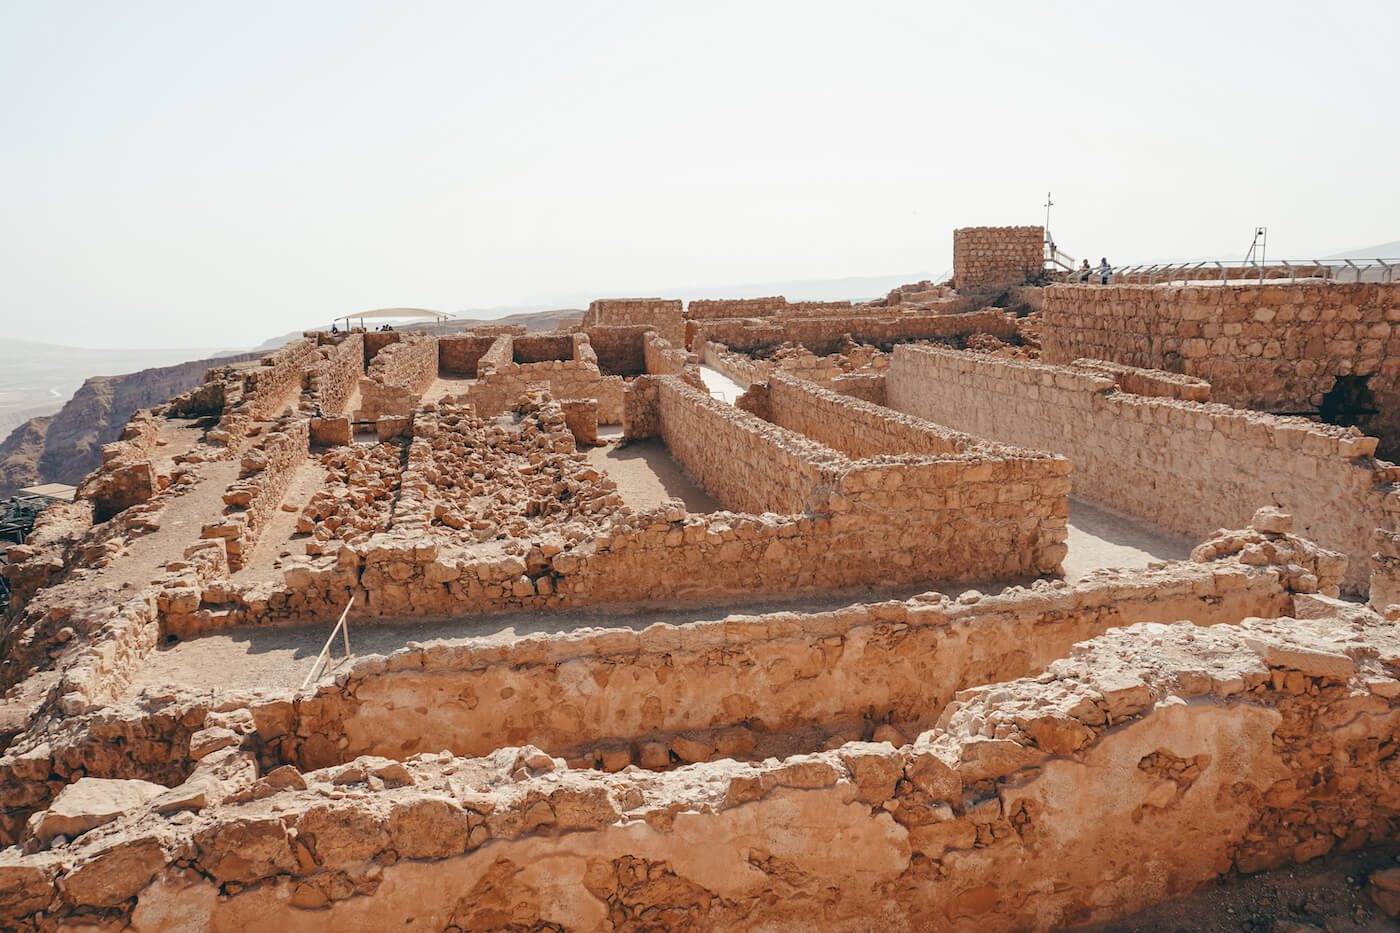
1332,270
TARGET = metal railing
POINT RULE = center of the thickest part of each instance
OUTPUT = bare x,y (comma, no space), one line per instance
1332,270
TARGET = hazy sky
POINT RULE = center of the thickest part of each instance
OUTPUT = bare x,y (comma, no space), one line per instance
213,174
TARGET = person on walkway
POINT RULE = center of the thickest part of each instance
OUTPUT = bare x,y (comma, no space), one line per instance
1105,269
334,330
1084,271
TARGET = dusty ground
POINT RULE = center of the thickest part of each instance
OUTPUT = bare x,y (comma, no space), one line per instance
446,385
1099,537
646,476
1326,894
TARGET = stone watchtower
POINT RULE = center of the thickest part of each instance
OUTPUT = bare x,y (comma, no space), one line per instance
988,258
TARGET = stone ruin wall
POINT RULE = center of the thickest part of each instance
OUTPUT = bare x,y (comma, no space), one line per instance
611,693
1385,573
265,472
458,353
825,335
261,392
497,391
1185,466
775,307
855,428
986,258
1028,805
663,359
397,374
984,514
742,369
1274,347
126,477
620,348
333,378
665,316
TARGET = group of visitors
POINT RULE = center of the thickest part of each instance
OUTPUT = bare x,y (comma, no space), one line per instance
381,328
1105,270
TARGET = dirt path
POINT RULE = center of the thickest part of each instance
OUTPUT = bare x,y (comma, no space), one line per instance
720,385
274,540
1099,537
646,476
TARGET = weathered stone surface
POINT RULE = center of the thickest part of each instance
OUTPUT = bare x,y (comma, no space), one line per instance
90,802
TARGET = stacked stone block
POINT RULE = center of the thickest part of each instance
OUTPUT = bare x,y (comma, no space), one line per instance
987,258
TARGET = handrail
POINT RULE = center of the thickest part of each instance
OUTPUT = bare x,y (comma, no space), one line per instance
1339,270
325,652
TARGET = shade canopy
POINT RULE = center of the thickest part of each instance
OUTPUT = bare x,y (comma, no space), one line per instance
395,314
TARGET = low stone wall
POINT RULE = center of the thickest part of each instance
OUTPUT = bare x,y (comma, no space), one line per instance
1276,347
1185,466
661,358
499,356
662,315
262,392
264,475
869,387
995,257
745,370
397,376
458,353
1150,382
127,476
1152,761
824,335
855,428
498,390
704,309
899,663
332,379
542,348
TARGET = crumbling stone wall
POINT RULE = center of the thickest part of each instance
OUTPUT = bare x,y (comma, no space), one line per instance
620,349
543,348
265,473
1186,466
500,355
704,309
744,370
498,390
458,353
397,375
823,335
855,428
903,661
331,380
1153,760
995,257
1276,347
1385,571
127,476
663,359
664,316
262,392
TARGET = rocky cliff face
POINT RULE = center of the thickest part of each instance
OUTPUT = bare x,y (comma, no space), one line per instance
65,447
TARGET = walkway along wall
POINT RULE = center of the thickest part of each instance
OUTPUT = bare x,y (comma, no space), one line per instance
1186,466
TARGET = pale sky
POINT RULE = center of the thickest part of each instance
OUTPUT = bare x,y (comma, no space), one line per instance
214,174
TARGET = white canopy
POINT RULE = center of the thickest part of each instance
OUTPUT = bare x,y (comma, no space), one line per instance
395,314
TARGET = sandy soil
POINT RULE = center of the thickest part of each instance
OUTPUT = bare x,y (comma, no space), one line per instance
448,385
647,475
1100,537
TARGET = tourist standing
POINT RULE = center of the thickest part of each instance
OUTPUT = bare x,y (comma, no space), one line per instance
1104,269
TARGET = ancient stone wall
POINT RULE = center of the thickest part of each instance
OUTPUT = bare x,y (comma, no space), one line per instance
660,314
855,428
996,257
397,375
127,476
331,380
458,353
869,387
1276,347
704,309
825,335
1185,466
619,348
744,370
377,340
262,392
906,660
1150,382
498,357
542,348
1385,571
661,358
1155,759
265,473
498,390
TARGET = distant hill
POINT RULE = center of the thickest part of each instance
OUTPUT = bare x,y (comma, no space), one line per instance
66,446
1389,250
533,319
